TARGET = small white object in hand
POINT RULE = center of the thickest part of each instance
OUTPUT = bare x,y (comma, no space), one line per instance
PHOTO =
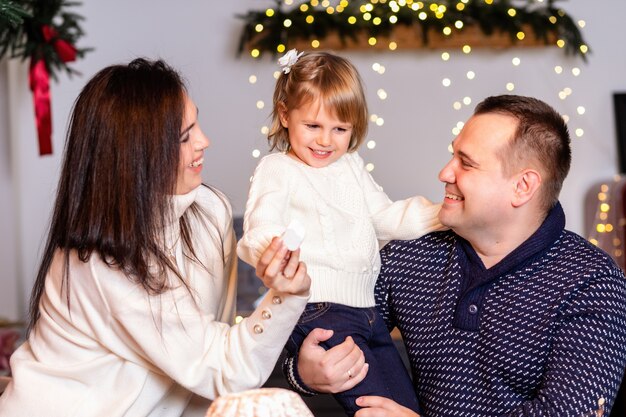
287,60
293,235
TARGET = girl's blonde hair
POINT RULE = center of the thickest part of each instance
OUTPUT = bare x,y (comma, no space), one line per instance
322,76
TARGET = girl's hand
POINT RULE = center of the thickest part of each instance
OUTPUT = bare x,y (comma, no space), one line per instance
282,270
381,407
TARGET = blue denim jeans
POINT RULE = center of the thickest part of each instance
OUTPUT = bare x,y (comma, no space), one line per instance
387,375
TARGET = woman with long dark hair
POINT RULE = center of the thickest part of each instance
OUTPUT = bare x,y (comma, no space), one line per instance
130,309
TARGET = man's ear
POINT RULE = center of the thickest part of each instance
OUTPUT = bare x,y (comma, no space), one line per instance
282,114
527,184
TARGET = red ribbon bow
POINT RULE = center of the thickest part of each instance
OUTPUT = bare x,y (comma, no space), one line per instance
39,80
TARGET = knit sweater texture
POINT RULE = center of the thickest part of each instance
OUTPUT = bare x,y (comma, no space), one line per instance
347,218
541,333
118,351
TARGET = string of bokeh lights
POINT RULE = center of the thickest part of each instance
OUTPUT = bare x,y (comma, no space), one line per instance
449,55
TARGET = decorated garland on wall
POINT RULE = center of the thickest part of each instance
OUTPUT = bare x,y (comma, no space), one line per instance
44,32
275,30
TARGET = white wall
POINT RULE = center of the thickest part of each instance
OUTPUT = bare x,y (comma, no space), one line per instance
200,37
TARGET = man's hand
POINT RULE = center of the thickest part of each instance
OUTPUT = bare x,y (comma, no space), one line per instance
381,407
282,270
334,370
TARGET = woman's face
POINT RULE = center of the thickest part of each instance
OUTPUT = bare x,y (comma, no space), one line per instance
193,142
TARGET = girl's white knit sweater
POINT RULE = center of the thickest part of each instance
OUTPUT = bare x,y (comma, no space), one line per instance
347,217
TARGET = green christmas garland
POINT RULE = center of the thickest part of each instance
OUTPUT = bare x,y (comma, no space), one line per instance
546,21
45,32
41,29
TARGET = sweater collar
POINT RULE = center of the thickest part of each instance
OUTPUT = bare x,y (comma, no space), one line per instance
536,244
181,202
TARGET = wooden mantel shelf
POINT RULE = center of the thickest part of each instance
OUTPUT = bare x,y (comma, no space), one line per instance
407,37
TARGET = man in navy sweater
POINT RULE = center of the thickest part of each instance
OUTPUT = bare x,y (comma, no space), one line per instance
508,313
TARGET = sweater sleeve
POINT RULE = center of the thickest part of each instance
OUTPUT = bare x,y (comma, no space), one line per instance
382,291
588,357
208,357
400,220
266,208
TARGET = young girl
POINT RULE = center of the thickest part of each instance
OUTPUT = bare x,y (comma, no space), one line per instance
319,121
130,309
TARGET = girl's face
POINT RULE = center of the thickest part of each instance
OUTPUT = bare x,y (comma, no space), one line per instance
316,136
193,142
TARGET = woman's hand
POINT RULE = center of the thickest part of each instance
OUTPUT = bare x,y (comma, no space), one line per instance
381,407
335,370
281,270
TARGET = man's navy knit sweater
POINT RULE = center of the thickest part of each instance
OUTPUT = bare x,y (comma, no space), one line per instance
541,333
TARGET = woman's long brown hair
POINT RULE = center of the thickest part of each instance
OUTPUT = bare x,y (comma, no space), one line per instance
118,173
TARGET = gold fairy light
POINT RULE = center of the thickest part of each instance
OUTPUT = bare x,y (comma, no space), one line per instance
581,23
580,110
352,20
560,43
520,35
446,82
382,94
315,43
393,19
584,49
380,121
445,56
372,41
287,23
512,12
510,86
558,69
310,19
467,101
447,31
456,105
552,19
269,12
467,49
373,118
258,27
369,167
260,104
280,48
265,130
516,61
575,71
458,24
393,46
255,53
580,132
605,207
422,16
371,144
470,75
460,7
304,7
256,153
276,74
377,21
